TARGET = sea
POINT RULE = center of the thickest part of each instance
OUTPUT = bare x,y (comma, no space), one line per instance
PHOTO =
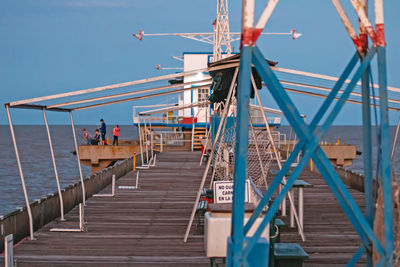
38,170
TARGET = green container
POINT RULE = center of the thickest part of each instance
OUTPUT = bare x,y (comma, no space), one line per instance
289,255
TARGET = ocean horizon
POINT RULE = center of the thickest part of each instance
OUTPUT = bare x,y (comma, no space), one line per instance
38,170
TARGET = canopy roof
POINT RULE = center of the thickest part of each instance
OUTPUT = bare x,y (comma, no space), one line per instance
295,81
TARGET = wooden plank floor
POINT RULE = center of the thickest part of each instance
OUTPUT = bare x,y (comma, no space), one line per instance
137,227
146,226
330,237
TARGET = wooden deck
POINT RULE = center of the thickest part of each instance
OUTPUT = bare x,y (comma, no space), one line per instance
146,226
140,227
330,237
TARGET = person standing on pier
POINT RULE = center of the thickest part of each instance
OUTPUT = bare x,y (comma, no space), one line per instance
86,137
103,131
115,134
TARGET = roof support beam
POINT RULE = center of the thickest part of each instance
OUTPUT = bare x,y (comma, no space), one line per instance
128,93
140,97
40,107
119,85
167,109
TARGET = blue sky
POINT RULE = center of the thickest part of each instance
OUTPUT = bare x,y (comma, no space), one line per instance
53,46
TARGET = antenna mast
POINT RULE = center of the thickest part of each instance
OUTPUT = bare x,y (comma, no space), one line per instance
222,37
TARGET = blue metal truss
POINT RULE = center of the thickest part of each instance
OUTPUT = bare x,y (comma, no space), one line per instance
309,137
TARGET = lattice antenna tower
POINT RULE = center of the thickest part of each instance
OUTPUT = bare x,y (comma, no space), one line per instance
222,37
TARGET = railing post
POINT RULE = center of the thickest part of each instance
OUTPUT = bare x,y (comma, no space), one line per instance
301,207
9,251
140,141
192,128
151,144
151,138
113,185
161,146
137,180
134,161
146,140
81,216
28,206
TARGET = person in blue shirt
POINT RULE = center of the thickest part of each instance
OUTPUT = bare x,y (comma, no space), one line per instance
103,130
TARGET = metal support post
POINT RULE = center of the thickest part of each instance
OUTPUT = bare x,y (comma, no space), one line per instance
206,111
192,128
161,144
9,251
291,212
301,207
151,144
113,185
235,253
28,206
235,249
79,161
385,156
134,161
140,141
146,141
367,135
54,166
151,138
81,217
283,206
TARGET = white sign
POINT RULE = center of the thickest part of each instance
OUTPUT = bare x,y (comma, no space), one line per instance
223,191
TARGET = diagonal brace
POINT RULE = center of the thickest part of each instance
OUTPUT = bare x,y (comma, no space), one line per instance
339,190
277,181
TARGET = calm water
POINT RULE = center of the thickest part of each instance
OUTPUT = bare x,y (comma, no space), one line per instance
36,161
38,170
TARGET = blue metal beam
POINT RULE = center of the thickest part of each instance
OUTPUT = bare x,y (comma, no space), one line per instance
385,157
285,168
287,111
241,145
322,162
367,154
356,257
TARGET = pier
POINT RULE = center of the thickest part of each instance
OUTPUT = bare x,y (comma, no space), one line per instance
146,226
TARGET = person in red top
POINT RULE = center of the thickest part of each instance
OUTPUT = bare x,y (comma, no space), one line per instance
116,135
